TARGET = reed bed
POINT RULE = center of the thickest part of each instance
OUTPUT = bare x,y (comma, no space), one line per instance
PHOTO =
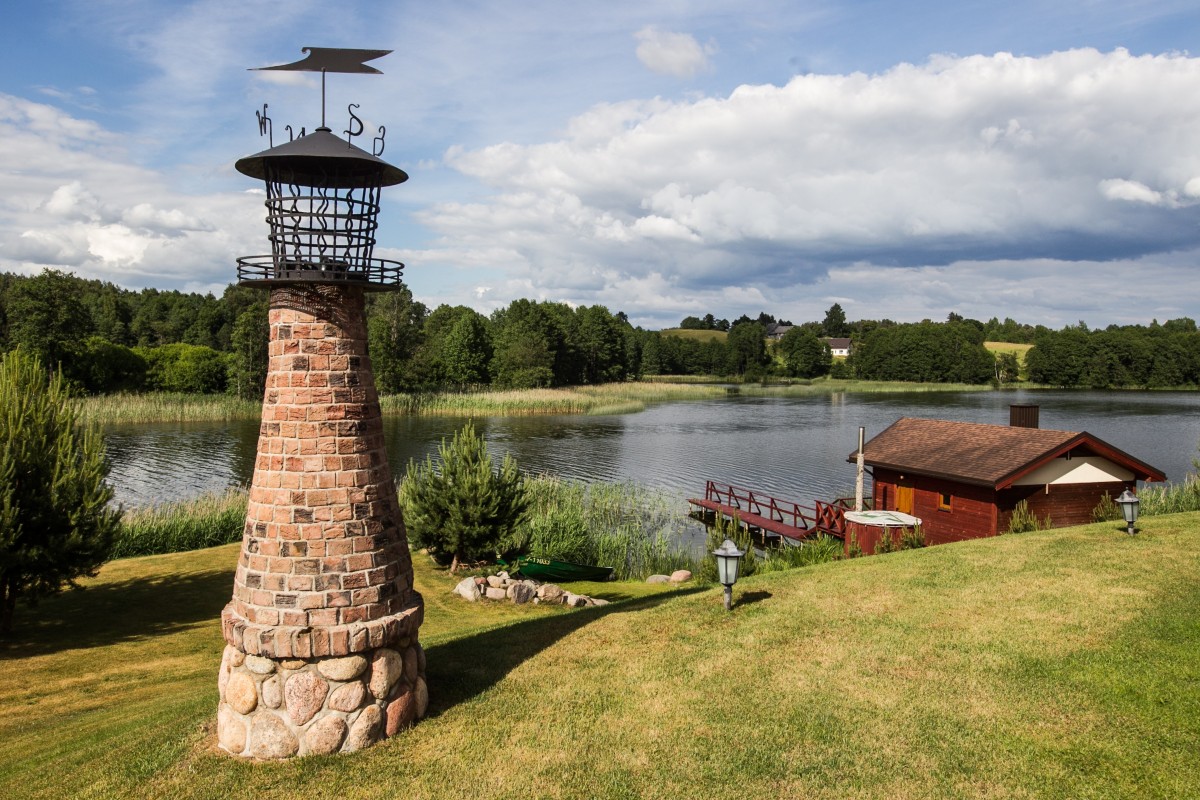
205,521
116,409
608,398
632,528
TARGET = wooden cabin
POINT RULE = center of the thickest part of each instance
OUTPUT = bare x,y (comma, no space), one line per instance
963,479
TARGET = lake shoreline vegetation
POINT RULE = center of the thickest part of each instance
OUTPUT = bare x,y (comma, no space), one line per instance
106,341
617,398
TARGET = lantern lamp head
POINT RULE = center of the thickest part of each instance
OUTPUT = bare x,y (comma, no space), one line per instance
1128,501
729,562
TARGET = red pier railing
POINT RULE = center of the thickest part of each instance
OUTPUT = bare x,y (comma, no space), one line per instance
769,514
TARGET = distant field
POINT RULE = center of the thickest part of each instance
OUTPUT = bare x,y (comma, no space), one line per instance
1009,347
703,336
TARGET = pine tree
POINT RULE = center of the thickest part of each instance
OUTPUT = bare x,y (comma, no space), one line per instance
56,523
464,509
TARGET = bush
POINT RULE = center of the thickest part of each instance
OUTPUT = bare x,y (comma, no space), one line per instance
190,368
1023,520
1106,510
912,538
464,510
105,367
55,521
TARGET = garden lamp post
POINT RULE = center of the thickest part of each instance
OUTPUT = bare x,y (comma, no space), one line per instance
1128,501
729,561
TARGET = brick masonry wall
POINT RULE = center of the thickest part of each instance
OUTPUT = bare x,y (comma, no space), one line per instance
324,568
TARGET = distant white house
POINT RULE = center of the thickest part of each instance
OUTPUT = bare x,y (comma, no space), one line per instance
838,347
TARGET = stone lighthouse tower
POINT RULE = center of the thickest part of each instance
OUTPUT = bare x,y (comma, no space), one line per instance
322,651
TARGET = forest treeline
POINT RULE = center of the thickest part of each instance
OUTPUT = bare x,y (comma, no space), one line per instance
105,339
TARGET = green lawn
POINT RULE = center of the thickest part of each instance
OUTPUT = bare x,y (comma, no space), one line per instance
1053,664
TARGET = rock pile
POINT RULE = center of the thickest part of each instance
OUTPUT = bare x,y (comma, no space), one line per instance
678,576
501,586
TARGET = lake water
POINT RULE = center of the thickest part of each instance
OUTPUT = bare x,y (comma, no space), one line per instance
794,448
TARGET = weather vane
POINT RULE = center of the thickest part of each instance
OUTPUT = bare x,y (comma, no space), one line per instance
323,60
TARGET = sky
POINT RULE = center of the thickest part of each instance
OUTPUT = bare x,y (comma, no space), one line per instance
1032,160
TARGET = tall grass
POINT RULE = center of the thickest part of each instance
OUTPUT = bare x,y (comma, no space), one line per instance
205,521
818,550
629,527
110,409
607,398
1171,498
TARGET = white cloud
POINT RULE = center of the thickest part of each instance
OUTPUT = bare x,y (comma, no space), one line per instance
117,244
669,53
1071,159
73,201
77,201
1135,192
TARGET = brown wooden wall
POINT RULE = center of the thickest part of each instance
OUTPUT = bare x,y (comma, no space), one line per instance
972,511
1065,503
978,511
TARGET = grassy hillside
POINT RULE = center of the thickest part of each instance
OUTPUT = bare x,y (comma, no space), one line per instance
687,333
1056,664
1009,347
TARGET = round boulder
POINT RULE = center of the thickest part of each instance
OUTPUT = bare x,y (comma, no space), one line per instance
240,693
342,669
365,730
271,738
272,692
326,735
348,697
386,668
304,694
231,731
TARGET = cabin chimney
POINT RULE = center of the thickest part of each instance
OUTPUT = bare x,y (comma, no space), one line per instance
1023,415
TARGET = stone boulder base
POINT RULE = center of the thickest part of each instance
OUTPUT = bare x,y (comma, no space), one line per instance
275,709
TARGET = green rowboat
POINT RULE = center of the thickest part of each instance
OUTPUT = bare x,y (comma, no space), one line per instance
550,570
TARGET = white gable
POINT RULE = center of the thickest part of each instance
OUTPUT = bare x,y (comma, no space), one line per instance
1080,469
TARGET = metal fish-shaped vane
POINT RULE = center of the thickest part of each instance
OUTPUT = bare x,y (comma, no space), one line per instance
333,59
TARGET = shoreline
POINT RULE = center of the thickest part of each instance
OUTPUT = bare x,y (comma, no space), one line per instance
602,399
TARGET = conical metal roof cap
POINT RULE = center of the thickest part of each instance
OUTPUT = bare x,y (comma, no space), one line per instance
322,159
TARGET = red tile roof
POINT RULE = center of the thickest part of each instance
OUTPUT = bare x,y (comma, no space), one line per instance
986,455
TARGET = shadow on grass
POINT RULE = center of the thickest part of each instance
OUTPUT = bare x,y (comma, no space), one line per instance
106,613
464,668
746,598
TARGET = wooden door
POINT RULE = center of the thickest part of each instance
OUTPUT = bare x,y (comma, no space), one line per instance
904,499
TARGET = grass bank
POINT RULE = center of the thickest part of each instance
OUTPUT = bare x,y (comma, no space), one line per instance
116,409
204,521
1057,664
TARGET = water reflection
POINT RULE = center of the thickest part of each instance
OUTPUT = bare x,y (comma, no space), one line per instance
795,448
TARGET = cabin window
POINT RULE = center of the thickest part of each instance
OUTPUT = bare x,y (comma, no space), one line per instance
944,499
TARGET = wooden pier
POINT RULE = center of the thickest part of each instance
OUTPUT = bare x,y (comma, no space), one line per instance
769,516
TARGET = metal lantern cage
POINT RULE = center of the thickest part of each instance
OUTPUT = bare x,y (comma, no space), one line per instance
323,211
